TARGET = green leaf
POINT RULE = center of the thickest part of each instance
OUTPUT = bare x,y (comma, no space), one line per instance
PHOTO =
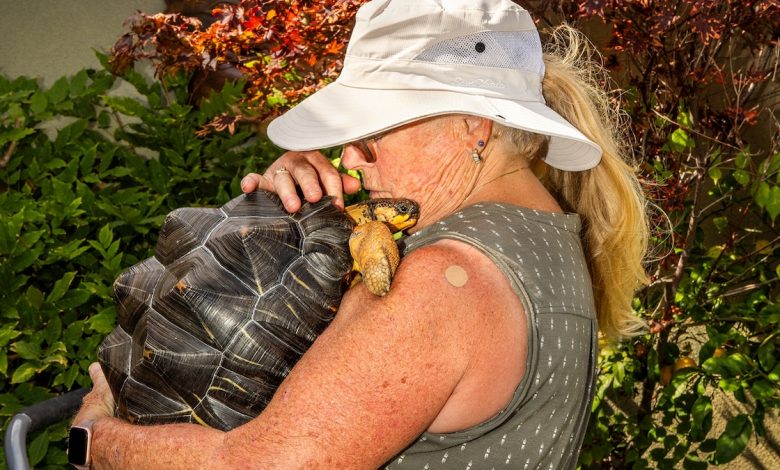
715,174
34,296
59,90
763,194
721,366
104,119
742,177
24,373
685,119
38,102
27,350
105,236
74,298
60,287
715,251
774,376
766,356
68,377
773,205
3,363
734,439
53,330
15,134
693,462
774,163
743,158
701,418
125,105
78,83
103,322
7,333
172,157
763,390
36,451
679,141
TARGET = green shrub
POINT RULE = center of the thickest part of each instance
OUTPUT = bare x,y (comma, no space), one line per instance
86,178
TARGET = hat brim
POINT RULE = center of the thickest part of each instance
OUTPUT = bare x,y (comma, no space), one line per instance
338,114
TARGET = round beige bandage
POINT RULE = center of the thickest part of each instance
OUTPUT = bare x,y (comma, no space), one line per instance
456,276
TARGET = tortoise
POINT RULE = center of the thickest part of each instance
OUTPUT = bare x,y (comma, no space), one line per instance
212,323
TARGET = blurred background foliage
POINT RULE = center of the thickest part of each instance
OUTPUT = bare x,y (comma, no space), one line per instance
82,199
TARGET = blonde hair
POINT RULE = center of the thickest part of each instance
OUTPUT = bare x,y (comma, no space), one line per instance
608,198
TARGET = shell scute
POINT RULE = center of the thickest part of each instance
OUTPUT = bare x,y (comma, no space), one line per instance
247,394
181,360
259,351
304,281
205,300
261,204
134,290
142,404
115,355
317,247
184,230
222,416
283,308
256,251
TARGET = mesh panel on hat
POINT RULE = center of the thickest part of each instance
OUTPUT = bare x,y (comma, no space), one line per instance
505,49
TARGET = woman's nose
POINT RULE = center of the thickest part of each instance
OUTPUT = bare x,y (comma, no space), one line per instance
352,157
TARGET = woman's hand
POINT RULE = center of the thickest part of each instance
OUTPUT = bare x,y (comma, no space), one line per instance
309,170
98,403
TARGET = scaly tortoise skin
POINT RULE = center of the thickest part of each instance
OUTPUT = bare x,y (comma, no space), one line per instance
211,325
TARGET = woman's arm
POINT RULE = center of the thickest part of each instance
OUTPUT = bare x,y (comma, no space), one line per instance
370,384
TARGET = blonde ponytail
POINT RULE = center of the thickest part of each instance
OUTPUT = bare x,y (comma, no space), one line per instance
608,198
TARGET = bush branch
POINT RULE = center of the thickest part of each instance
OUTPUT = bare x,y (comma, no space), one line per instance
11,148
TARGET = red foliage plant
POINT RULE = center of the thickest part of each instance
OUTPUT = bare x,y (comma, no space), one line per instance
284,50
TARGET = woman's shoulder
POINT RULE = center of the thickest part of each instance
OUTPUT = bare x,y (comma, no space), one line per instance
448,287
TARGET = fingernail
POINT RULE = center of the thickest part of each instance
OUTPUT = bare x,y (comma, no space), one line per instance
245,182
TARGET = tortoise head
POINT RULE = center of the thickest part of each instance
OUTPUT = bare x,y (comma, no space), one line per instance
397,214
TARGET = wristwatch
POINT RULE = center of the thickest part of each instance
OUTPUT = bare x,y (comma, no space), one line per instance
79,445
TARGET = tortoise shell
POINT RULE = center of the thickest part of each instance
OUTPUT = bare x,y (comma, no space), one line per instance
210,326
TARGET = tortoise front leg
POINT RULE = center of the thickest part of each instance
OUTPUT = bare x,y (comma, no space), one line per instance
375,255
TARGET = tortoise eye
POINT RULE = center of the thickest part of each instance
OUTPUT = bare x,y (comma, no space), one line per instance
403,208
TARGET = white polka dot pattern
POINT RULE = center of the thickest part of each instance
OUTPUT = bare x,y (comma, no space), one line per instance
543,426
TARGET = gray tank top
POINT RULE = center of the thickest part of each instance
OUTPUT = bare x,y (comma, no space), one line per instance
544,424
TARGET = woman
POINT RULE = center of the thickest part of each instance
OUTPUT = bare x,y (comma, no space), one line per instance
483,354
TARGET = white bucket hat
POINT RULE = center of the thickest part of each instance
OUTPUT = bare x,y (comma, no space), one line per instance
411,59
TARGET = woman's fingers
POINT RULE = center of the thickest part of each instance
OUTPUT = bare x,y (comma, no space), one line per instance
349,184
284,185
253,182
100,386
310,171
99,402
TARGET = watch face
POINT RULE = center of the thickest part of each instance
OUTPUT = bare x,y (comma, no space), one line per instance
77,446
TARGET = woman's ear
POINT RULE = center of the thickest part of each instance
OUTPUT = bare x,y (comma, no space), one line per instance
478,128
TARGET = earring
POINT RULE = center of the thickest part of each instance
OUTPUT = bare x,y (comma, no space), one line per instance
475,153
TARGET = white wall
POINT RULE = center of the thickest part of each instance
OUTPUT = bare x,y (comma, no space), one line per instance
50,38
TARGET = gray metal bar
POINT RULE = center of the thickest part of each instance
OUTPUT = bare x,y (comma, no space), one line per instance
35,418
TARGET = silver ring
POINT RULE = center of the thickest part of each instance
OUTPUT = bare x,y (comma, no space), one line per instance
281,171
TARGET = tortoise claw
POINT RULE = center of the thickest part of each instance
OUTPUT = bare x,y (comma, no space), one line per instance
377,275
375,255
